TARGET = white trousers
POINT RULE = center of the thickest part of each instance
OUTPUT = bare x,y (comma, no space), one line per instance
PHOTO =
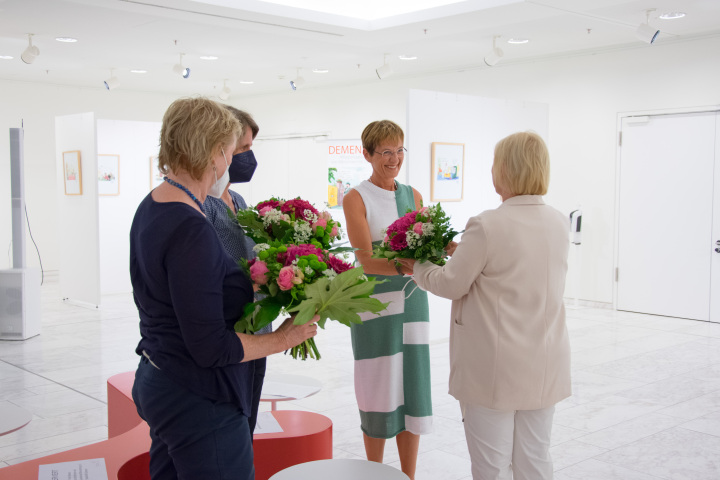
508,445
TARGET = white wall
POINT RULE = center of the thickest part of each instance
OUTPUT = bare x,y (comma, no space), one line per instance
584,95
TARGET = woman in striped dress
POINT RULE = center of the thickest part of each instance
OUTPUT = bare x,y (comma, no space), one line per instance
391,351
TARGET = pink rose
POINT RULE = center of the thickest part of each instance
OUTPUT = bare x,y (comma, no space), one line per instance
418,228
325,215
263,211
258,272
285,278
321,222
335,231
423,211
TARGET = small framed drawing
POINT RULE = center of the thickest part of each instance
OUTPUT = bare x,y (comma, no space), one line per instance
448,172
108,174
72,172
156,178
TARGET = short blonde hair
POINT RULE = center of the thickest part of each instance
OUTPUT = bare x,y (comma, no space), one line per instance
522,164
192,130
380,131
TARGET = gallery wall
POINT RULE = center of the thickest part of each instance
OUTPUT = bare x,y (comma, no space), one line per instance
585,93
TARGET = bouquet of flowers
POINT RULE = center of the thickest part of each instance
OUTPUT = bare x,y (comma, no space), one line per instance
421,234
293,221
308,280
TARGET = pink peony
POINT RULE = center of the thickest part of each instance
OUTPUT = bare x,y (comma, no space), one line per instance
258,271
398,241
321,222
338,264
418,228
285,278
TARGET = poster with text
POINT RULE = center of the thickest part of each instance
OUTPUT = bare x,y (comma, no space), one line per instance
346,169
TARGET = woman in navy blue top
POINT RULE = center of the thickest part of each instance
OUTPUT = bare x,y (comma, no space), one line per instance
194,382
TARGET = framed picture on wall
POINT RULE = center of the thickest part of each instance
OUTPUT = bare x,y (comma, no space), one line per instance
72,172
447,172
108,174
156,178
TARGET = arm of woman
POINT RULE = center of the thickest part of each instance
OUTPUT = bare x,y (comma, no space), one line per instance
284,338
359,235
454,280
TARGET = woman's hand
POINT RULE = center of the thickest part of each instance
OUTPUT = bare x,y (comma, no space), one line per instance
296,334
407,265
450,248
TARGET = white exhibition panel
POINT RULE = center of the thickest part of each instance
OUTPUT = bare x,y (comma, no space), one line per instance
78,214
665,223
479,123
135,143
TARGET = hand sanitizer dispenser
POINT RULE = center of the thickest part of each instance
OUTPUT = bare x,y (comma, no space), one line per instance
575,226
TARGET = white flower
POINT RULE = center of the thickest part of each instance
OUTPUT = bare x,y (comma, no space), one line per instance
308,271
310,216
260,247
413,240
273,216
329,273
303,232
428,229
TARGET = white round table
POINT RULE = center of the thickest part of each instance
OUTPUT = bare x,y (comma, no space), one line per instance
282,388
340,468
12,418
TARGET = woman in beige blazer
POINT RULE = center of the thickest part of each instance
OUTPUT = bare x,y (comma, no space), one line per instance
509,348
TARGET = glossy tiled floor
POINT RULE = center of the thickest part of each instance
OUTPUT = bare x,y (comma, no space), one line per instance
646,402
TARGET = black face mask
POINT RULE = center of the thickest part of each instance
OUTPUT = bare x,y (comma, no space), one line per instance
242,167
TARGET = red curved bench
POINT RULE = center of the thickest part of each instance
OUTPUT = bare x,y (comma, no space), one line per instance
306,436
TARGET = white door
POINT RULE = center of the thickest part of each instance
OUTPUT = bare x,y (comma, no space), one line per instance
715,241
665,228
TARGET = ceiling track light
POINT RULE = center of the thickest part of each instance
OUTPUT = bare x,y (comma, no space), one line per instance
225,92
297,82
385,70
645,31
179,69
29,54
112,82
495,55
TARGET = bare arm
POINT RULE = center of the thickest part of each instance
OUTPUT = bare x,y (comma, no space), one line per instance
359,235
284,338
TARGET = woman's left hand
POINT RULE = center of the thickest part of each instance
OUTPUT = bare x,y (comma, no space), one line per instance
408,264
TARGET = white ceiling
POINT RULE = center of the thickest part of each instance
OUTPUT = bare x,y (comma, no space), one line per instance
266,43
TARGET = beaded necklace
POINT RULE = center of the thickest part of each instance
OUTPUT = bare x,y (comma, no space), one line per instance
184,189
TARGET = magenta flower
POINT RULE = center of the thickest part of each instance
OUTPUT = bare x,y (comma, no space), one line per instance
258,272
285,278
267,203
298,207
338,264
398,241
294,251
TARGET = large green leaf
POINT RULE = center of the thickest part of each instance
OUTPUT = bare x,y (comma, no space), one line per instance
253,227
340,299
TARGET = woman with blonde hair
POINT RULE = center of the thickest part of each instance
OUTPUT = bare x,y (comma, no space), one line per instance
509,347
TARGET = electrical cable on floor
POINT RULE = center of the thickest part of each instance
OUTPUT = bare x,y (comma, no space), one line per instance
42,271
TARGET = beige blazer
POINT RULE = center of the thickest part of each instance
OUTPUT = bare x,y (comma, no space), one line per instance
509,347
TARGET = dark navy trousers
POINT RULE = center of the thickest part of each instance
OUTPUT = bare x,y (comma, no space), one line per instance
193,437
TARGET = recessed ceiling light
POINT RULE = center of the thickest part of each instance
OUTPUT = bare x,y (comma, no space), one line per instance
320,70
138,71
208,57
6,57
518,41
672,15
246,82
407,57
66,39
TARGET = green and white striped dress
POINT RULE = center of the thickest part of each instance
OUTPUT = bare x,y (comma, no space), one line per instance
392,353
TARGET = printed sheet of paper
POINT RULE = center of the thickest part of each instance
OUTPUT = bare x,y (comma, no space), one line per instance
266,423
92,469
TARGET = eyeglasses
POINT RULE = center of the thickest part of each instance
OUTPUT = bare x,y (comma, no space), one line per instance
388,154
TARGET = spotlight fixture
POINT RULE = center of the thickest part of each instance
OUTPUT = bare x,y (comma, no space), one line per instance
180,70
494,56
225,92
385,70
298,82
29,54
112,82
645,32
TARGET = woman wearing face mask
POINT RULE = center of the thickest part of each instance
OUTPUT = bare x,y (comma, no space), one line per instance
193,385
233,238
